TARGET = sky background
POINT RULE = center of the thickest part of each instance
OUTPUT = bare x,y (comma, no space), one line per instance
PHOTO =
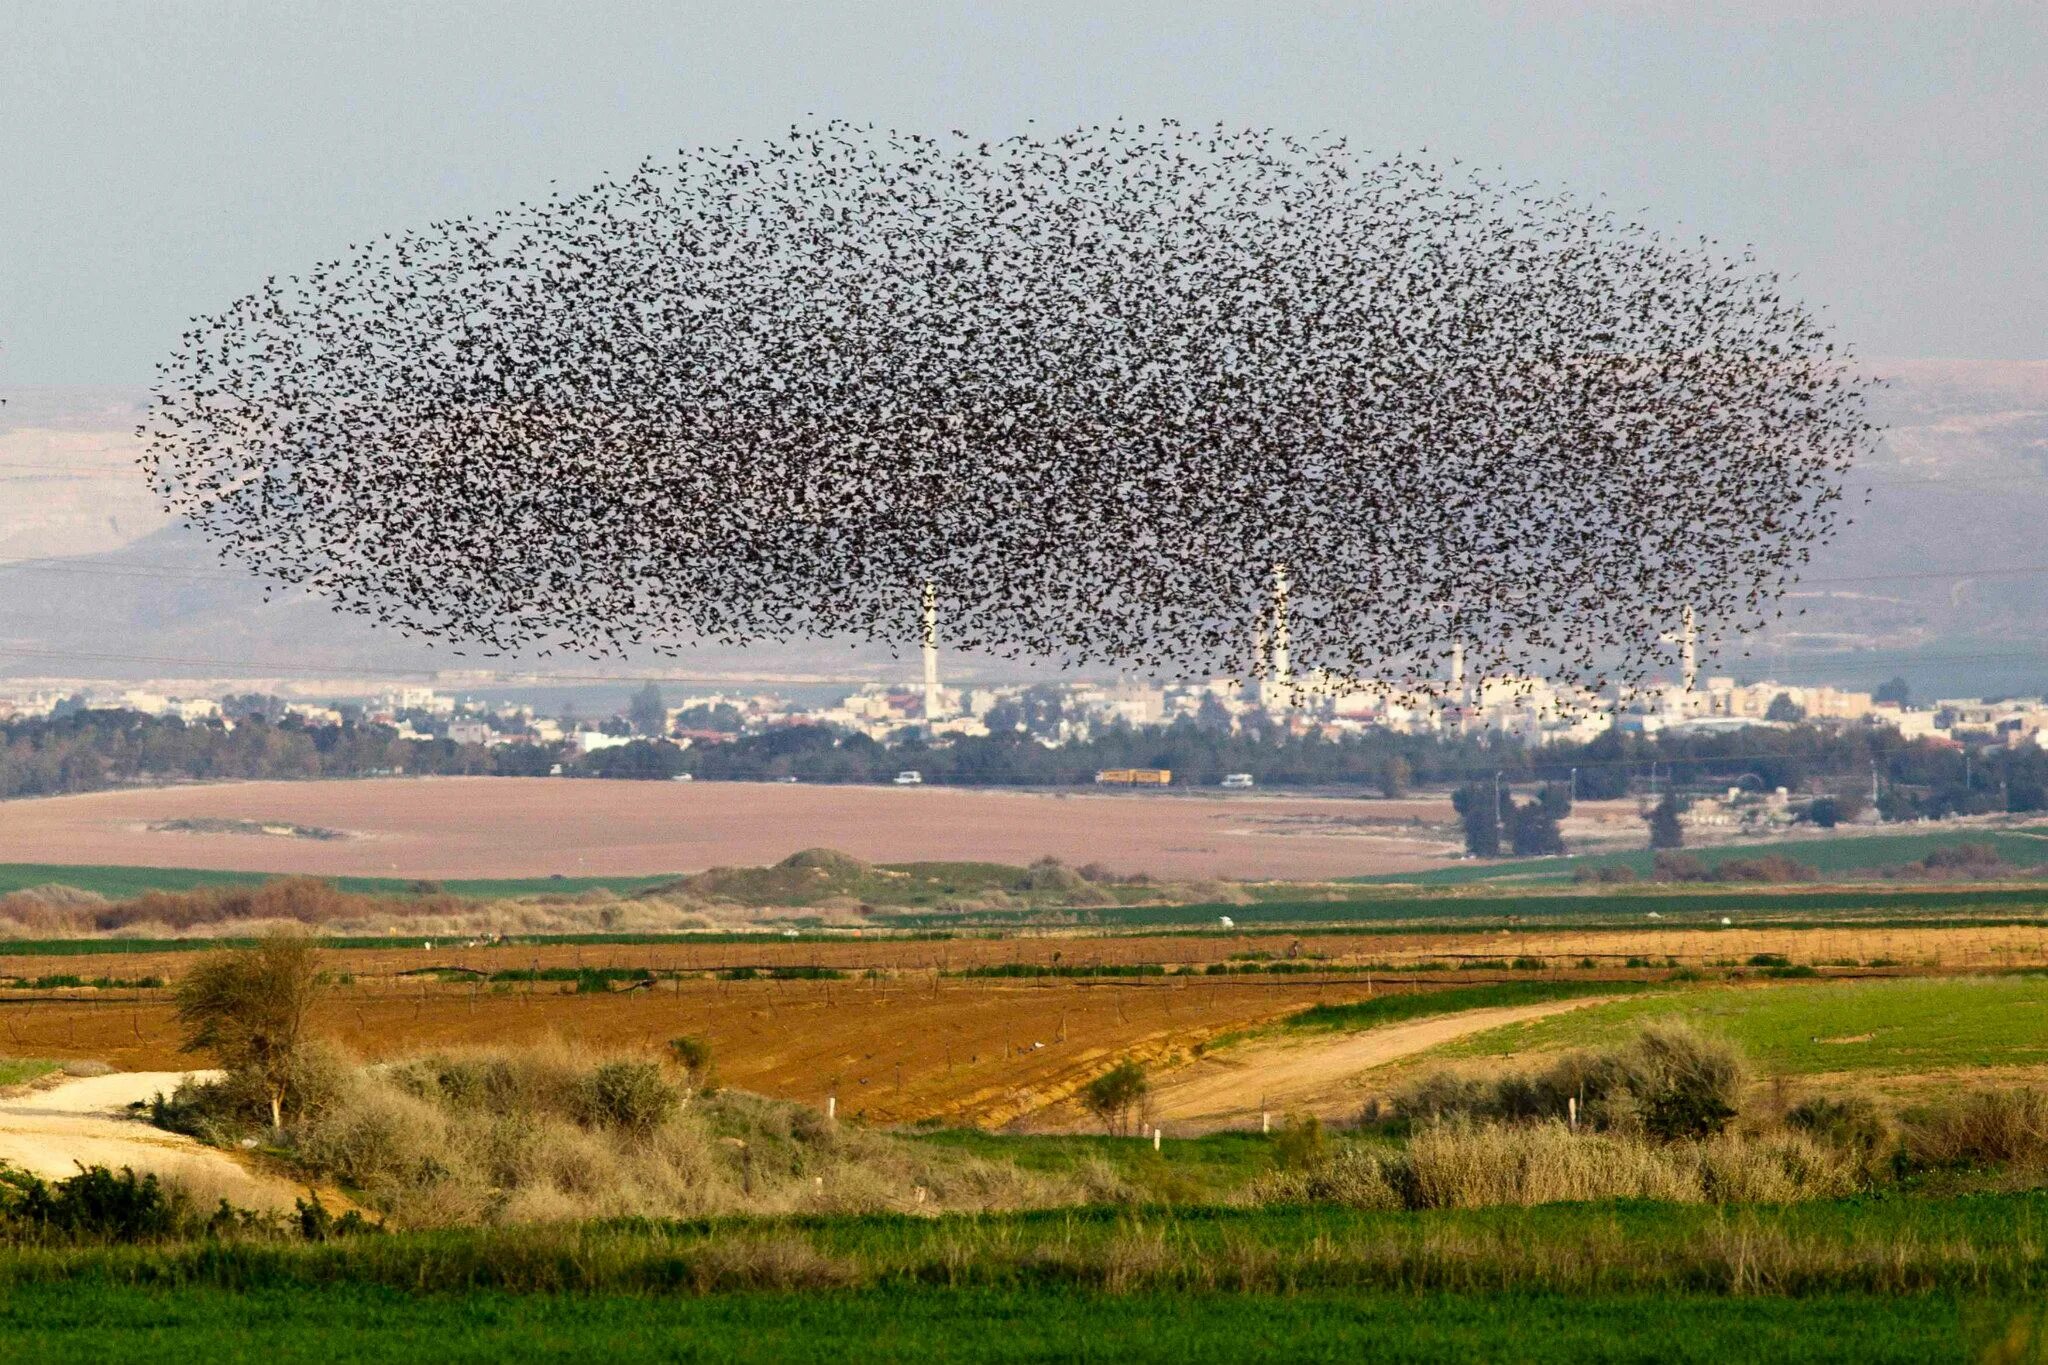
156,160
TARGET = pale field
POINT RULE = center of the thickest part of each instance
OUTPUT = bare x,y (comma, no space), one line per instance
526,827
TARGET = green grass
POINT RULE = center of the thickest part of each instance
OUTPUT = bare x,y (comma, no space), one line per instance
1183,1170
1899,1026
1831,856
342,1324
1386,905
1389,1009
17,1070
1864,1279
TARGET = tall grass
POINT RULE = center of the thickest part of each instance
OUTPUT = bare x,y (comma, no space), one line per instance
552,1133
1901,1247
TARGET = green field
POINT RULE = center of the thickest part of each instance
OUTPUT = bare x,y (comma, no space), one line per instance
1896,1026
341,1324
1390,1009
1868,1279
1842,855
1386,906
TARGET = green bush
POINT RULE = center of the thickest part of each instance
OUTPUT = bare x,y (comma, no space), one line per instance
94,1205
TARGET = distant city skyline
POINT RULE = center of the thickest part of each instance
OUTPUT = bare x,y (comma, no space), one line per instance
160,159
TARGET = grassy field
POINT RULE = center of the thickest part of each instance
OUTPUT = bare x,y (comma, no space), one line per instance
341,1324
1898,1026
1843,855
1688,904
1391,1009
1891,1279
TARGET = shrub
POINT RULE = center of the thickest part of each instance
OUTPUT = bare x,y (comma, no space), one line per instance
1115,1094
1667,1082
1853,1124
94,1205
629,1095
693,1055
2008,1126
1300,1143
1618,874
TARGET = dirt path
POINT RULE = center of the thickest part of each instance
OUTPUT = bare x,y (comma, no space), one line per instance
1327,1075
53,1130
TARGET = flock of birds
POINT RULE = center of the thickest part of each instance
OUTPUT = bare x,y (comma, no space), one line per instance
1094,393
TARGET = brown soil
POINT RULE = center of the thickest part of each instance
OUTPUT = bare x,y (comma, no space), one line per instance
891,1050
526,827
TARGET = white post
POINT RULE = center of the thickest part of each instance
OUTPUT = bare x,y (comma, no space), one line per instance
831,1106
1155,1139
931,651
1265,1120
1571,1107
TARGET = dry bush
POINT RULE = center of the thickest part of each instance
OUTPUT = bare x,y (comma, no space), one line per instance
1464,1165
1455,1165
1852,1124
2003,1126
1354,1175
551,1133
1668,1081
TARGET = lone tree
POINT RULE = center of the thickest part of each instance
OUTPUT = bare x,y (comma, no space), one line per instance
1186,400
1532,829
1666,829
1114,1096
648,712
1479,814
248,1008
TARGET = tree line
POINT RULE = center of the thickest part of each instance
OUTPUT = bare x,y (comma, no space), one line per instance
91,750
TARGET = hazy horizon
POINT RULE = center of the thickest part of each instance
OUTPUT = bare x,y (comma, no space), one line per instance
162,159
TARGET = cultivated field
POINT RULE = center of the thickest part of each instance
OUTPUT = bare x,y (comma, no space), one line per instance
520,827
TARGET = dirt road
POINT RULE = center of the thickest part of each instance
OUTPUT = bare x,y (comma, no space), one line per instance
53,1130
1324,1074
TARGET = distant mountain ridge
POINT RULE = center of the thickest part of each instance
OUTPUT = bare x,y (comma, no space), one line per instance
1960,482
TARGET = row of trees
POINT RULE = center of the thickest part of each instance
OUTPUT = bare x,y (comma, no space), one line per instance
87,750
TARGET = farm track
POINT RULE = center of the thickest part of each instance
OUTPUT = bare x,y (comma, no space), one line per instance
53,1129
1327,1075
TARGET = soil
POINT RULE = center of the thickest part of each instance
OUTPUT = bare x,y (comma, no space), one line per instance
530,827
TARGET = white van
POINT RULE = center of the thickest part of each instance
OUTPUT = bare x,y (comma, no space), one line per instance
1237,781
910,777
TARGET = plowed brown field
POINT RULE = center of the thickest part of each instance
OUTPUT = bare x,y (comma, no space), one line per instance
902,1049
526,827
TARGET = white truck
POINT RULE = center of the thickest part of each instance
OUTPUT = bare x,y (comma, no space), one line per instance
1237,781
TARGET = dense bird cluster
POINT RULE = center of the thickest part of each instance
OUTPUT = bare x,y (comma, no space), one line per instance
1095,392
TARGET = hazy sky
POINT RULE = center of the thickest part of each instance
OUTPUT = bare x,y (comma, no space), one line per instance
158,159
